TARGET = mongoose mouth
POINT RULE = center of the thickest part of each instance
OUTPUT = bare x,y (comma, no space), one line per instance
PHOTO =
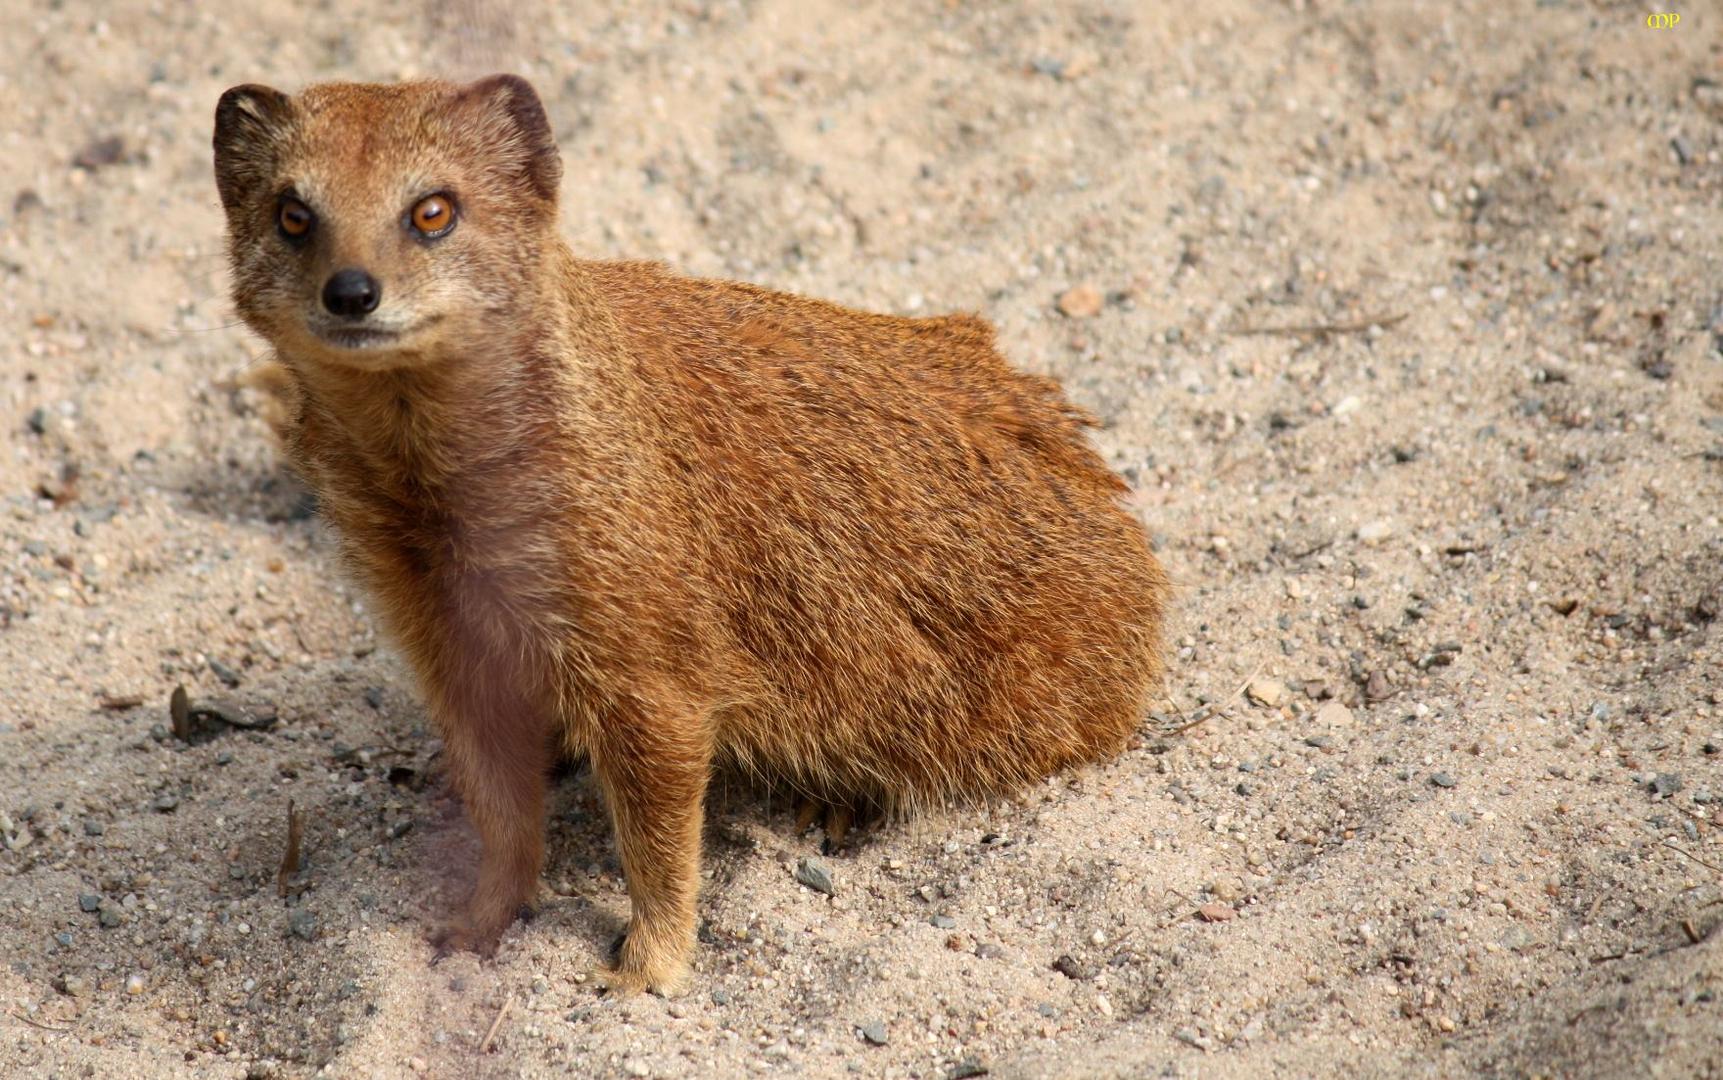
356,337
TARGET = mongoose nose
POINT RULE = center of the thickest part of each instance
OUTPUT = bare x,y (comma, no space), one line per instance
351,293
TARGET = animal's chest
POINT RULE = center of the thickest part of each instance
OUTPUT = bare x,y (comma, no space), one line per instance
479,580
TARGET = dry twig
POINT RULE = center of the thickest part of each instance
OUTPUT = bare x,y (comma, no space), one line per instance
290,858
1314,329
490,1036
16,1015
1215,709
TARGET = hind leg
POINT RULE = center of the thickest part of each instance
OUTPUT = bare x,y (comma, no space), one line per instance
836,820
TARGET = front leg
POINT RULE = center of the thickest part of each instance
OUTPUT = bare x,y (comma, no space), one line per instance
653,766
499,754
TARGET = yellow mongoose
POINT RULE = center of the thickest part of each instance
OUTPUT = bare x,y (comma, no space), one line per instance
665,523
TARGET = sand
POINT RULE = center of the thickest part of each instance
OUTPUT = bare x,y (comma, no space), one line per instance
1405,322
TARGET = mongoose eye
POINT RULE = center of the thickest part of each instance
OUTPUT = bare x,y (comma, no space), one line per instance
294,218
433,215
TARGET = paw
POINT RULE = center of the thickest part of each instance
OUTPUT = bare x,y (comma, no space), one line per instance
459,937
836,818
633,970
667,982
475,934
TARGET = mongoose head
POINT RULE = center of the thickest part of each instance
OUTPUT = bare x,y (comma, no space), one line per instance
368,225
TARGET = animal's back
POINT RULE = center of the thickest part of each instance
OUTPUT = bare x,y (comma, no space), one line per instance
912,546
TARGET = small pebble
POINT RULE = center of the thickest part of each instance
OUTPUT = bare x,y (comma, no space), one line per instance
1377,687
1442,780
1191,1037
815,875
1375,532
1333,714
1081,302
874,1033
1267,692
223,672
302,924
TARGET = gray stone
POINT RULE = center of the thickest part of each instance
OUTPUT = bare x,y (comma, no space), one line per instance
815,875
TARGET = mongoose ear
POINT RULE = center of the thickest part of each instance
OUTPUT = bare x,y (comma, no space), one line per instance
248,123
514,122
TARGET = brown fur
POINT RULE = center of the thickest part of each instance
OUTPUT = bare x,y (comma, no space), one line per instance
674,524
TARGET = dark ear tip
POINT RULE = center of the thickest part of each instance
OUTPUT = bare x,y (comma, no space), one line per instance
507,81
251,99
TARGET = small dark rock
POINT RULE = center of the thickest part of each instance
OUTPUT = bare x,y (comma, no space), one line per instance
815,875
1665,784
89,902
720,996
944,922
874,1033
38,421
966,1069
166,803
93,827
1442,780
223,672
374,696
1074,969
1376,687
253,717
63,939
302,924
108,151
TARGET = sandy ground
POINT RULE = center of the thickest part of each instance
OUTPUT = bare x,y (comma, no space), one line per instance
1463,545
